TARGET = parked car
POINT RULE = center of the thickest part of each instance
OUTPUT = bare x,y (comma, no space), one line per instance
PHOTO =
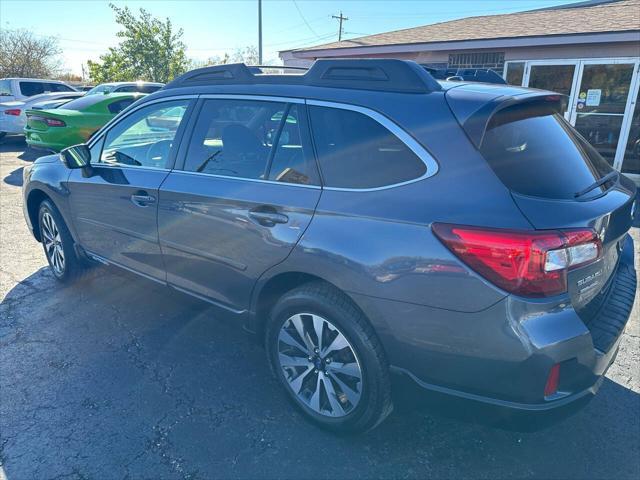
121,87
484,75
21,88
84,88
75,121
13,116
363,219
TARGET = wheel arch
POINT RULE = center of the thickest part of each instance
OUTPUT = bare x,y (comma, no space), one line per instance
267,293
34,200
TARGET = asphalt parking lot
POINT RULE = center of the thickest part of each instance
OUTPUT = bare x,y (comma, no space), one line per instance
118,378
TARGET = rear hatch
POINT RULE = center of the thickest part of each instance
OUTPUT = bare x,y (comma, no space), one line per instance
557,179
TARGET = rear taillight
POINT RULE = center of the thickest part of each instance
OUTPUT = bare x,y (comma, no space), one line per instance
13,111
54,122
527,263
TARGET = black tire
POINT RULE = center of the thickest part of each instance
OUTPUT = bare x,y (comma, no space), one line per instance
325,301
73,266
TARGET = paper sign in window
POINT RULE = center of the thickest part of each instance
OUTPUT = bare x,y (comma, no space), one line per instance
593,97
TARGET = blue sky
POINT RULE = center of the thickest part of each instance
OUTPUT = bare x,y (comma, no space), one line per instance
85,28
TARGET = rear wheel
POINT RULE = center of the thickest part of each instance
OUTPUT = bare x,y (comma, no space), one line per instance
57,243
328,359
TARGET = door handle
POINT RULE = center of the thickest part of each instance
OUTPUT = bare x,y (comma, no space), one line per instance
268,218
142,199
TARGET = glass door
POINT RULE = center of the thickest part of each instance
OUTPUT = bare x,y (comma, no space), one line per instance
631,150
555,77
599,106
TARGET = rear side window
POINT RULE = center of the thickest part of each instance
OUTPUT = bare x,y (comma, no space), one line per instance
539,154
29,89
254,140
355,151
5,88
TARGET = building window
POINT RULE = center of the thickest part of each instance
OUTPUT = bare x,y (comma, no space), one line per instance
490,60
515,73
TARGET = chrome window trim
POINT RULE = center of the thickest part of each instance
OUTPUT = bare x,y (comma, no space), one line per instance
128,167
243,179
430,163
264,98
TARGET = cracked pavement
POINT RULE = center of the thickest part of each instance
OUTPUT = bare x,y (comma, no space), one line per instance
120,378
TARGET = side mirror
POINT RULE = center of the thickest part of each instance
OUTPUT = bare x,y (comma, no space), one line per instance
78,156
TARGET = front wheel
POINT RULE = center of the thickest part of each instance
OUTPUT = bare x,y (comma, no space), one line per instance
328,359
57,243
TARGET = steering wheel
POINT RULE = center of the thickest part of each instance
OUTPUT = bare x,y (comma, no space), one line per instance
158,153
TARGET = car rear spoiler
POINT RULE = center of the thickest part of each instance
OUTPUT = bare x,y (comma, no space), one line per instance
475,109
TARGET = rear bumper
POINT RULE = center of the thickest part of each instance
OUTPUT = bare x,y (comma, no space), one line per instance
52,141
12,125
502,356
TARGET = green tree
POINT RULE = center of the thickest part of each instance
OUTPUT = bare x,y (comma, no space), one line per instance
150,49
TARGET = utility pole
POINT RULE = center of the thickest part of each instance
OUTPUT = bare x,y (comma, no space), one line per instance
259,32
340,19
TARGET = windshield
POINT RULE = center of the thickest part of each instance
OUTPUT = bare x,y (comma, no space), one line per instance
539,154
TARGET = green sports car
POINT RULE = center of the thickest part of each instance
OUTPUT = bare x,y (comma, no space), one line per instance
74,122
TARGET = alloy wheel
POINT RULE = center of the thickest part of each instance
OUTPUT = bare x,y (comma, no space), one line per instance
320,365
53,244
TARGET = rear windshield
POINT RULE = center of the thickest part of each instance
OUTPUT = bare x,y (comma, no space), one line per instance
83,103
537,153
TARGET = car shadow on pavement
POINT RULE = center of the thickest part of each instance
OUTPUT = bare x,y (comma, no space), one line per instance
16,144
14,178
118,374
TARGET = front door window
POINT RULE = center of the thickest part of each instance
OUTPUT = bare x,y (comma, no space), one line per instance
145,138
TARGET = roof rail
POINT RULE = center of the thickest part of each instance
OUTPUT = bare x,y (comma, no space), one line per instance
388,75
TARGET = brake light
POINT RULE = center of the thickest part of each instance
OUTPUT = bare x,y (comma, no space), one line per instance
54,122
12,111
527,263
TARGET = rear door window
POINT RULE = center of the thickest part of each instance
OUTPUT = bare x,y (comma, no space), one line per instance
254,140
356,151
537,153
29,89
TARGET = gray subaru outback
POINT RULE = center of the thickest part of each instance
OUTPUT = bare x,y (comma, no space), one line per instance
363,220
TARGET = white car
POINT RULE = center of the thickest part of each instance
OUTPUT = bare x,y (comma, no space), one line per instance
121,87
21,88
12,114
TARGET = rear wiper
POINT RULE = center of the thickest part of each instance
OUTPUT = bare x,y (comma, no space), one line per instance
597,183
